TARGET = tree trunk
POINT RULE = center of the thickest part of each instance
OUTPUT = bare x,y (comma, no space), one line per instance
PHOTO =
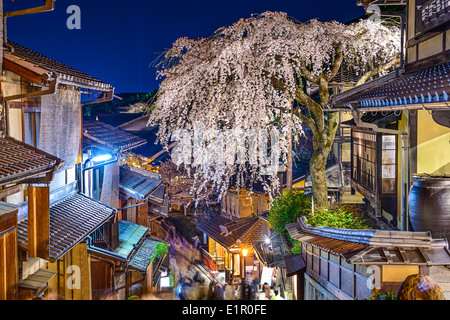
318,179
289,166
322,146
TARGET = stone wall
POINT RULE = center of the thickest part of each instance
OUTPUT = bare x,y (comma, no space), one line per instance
442,276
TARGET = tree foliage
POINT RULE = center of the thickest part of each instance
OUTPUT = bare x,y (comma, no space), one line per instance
287,208
336,218
246,77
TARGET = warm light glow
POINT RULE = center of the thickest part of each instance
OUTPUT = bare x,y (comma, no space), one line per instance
244,252
103,157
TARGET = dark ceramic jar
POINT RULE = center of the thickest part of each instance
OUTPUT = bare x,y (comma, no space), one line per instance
429,204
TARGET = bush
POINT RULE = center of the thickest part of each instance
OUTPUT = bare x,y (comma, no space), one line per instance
378,295
297,247
287,209
336,218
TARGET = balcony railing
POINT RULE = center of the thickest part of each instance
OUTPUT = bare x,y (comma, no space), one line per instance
434,13
98,240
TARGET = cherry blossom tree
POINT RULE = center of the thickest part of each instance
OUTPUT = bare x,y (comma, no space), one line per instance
238,88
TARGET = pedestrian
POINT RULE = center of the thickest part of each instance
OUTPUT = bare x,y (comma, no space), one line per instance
266,291
247,291
230,291
276,295
179,290
211,293
218,291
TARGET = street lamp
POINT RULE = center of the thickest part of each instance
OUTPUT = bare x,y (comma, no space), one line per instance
244,254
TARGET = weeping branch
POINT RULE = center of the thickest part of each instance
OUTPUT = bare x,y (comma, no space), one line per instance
377,70
336,63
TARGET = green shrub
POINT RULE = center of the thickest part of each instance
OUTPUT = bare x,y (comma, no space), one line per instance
337,218
378,295
297,247
160,250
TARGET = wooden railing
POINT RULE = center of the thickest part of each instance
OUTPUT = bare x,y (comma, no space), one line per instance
434,13
97,239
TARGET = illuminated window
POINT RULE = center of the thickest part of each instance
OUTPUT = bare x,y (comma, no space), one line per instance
388,164
364,159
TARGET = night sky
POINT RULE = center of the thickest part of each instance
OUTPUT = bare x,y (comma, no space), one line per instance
118,40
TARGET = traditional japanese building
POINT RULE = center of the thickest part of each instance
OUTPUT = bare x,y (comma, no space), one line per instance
122,260
340,264
400,121
229,237
400,128
43,140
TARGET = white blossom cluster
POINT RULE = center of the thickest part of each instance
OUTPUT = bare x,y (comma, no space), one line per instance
245,76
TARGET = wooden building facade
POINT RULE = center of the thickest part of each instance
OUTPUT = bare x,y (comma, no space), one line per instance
348,264
400,121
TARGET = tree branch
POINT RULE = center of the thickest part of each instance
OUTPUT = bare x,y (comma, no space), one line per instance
377,70
336,63
307,74
309,121
313,106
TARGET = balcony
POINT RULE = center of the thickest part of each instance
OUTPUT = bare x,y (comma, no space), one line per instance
434,13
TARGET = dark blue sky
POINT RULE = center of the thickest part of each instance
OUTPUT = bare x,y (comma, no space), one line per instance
118,40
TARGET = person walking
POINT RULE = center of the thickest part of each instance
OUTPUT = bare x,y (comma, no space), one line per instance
276,295
266,294
211,294
229,291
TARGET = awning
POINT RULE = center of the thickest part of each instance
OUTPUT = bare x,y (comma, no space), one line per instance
144,255
380,119
294,264
424,88
247,230
72,219
271,254
333,176
139,183
67,74
37,280
374,246
158,194
114,138
20,161
163,209
130,236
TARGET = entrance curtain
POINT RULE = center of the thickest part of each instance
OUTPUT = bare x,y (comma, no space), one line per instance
60,126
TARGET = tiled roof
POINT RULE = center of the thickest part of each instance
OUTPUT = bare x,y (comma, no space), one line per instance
378,118
430,85
72,219
374,246
130,235
294,263
6,208
139,182
19,160
64,72
346,75
158,194
245,231
109,136
141,259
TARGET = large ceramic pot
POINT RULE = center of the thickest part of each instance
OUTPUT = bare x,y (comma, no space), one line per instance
429,204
